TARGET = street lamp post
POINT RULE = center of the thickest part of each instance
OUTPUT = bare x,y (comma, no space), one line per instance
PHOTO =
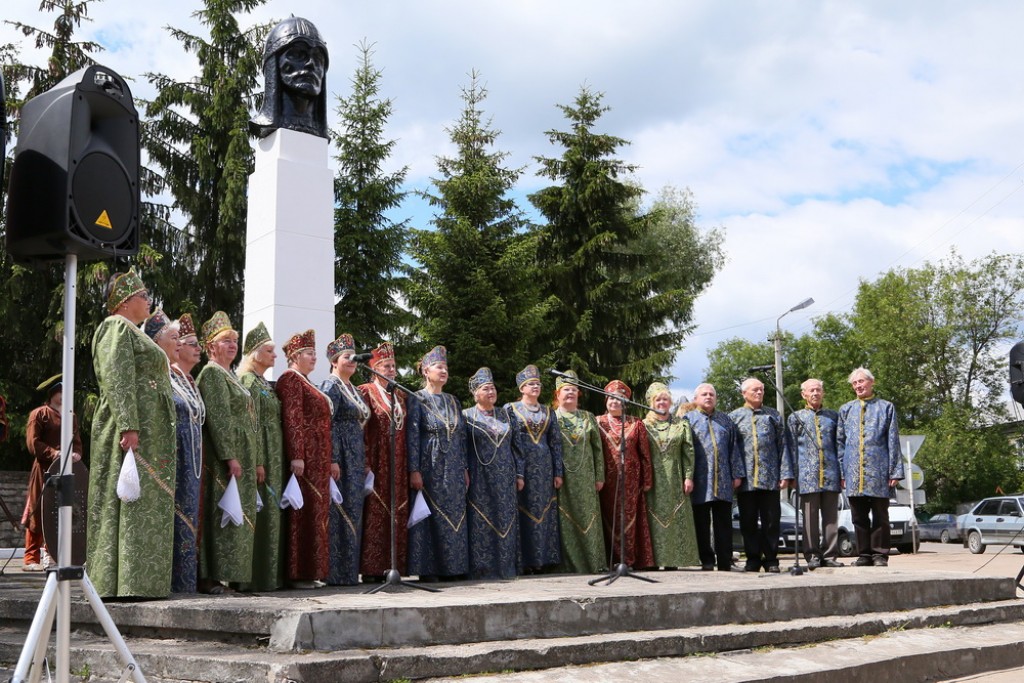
779,402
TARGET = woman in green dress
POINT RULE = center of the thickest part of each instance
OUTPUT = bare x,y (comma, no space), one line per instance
669,511
583,549
258,356
229,446
131,544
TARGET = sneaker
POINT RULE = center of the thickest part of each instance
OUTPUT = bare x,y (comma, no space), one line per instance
881,561
813,563
48,561
831,563
774,569
863,562
33,567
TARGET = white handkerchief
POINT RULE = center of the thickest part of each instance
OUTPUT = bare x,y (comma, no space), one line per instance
420,511
368,484
336,493
259,502
292,495
129,489
231,504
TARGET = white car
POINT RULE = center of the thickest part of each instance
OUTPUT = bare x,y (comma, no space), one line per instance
901,528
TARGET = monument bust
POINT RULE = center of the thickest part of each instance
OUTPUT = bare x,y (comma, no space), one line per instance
294,65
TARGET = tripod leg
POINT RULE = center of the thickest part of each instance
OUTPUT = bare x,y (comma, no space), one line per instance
38,632
113,635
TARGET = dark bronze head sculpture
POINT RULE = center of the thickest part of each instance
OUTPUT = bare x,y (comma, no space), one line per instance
294,67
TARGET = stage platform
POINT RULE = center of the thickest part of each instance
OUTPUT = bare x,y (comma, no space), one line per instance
537,622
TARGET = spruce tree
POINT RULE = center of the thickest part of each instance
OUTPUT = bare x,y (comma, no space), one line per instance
623,296
368,245
475,287
197,133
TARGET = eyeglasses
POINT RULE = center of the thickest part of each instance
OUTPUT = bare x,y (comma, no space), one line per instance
194,344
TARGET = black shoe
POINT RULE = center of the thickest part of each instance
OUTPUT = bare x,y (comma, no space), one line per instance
753,568
774,569
707,567
813,563
863,562
880,561
828,562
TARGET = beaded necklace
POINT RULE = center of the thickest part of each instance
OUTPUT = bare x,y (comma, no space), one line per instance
380,398
613,430
534,428
189,395
352,395
444,416
661,430
494,429
573,427
250,405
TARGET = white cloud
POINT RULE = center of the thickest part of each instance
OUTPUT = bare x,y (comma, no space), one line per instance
833,140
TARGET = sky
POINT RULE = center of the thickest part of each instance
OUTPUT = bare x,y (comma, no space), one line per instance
831,141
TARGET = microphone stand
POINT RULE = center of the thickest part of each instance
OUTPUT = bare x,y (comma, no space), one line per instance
796,569
620,569
393,576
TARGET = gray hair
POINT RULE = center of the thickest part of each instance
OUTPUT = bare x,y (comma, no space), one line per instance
860,371
747,382
807,383
702,385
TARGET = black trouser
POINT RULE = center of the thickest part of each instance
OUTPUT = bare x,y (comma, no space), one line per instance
719,514
825,504
760,542
871,523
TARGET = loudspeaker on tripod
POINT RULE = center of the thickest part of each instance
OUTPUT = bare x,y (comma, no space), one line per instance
74,185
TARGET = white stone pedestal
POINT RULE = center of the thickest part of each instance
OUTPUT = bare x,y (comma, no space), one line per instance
289,254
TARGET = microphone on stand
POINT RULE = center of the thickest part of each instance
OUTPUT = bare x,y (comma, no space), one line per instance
362,357
761,368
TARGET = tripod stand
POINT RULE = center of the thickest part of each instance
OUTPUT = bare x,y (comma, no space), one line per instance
393,577
56,598
621,569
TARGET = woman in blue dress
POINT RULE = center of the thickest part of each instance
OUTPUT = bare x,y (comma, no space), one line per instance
537,443
348,464
494,478
191,412
439,544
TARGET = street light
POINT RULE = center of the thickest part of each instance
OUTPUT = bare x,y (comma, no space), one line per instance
779,402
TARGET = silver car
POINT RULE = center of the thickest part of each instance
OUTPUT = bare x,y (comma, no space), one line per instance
993,521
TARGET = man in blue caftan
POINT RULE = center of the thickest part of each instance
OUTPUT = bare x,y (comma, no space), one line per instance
870,462
718,469
813,431
765,445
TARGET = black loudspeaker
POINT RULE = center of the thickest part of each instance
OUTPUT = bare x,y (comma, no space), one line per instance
1017,372
75,179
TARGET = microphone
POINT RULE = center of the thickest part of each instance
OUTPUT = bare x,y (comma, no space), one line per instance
761,368
556,373
362,357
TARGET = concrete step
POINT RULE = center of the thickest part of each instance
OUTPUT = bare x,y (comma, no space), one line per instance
330,620
920,655
164,660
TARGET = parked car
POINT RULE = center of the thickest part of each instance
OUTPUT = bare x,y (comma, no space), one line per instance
993,521
787,528
939,527
901,534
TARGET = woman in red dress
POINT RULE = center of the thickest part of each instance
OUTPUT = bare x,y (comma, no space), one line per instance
376,551
637,552
306,424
